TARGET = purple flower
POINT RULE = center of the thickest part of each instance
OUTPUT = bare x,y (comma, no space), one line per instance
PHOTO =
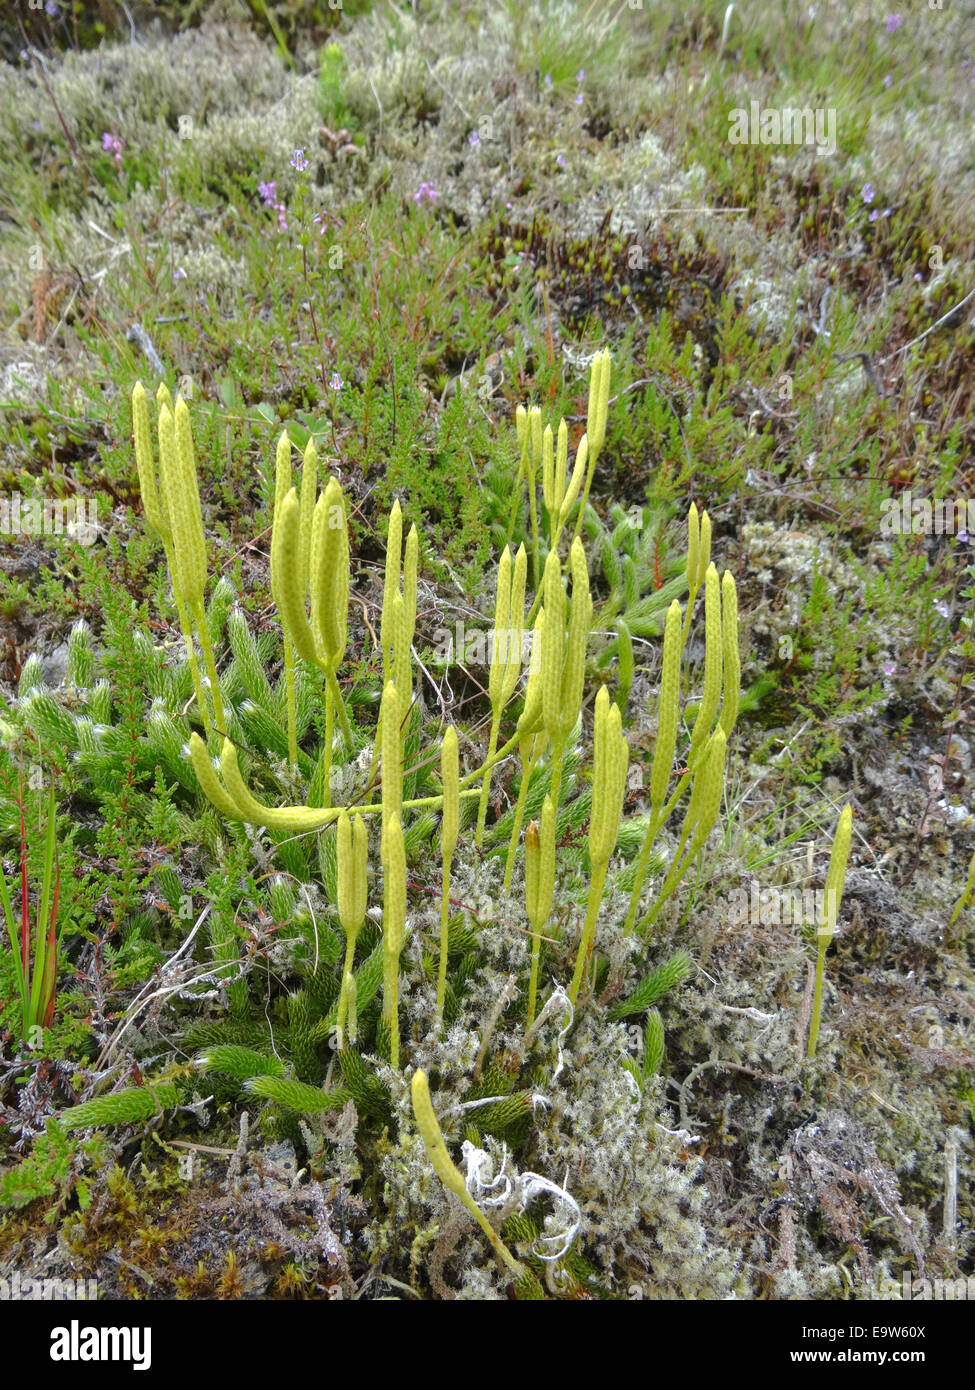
873,216
473,139
282,212
917,275
560,160
268,193
889,668
962,536
179,273
51,9
425,190
299,162
888,80
335,382
581,75
113,145
577,99
893,22
868,193
548,81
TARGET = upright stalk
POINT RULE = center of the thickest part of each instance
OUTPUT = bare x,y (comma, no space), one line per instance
835,881
289,686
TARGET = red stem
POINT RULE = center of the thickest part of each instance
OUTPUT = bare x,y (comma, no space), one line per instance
51,956
24,904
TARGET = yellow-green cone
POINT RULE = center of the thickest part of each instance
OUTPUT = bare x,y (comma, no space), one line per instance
193,565
610,762
309,492
713,658
693,549
447,1172
145,464
286,578
731,657
669,708
450,775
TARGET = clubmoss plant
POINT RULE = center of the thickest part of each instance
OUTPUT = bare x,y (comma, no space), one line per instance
538,449
509,620
177,470
282,486
611,760
353,853
306,529
310,586
539,889
596,416
532,741
706,755
449,830
447,1172
564,654
156,506
553,695
709,348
